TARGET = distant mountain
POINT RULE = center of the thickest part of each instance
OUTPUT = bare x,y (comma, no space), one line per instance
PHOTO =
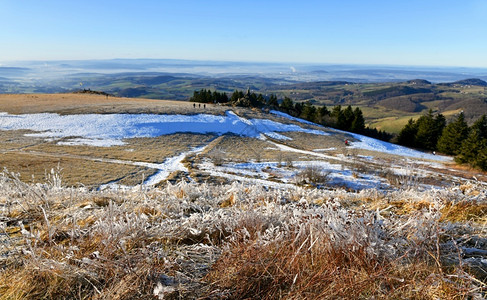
418,82
13,71
395,91
470,81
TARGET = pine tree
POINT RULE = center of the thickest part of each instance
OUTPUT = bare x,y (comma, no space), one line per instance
236,95
481,127
322,115
309,112
272,102
287,105
348,116
298,109
407,136
474,147
453,135
358,123
429,130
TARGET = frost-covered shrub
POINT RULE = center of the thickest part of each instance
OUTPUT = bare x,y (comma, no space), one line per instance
181,241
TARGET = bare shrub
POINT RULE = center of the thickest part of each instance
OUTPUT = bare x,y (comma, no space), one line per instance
312,174
289,161
217,155
405,180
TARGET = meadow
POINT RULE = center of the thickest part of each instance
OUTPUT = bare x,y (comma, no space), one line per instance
263,214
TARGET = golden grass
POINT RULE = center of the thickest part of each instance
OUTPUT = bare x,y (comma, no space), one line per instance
81,164
116,245
35,168
153,150
465,211
240,149
299,268
86,103
310,142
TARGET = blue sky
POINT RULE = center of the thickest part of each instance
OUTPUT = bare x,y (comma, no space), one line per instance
413,32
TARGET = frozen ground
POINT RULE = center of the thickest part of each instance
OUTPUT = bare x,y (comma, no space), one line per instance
352,171
368,143
111,129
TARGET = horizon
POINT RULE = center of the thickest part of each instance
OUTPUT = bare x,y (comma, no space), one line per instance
417,33
11,63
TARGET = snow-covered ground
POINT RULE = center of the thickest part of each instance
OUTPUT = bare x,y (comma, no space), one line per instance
170,165
111,129
368,143
279,175
284,115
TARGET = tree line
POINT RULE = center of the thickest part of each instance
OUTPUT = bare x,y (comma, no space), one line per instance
347,119
431,132
207,96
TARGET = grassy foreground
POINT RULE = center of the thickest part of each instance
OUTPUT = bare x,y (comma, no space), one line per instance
200,241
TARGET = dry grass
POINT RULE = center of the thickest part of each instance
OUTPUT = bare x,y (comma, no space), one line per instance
310,142
86,103
312,174
199,241
298,267
241,149
76,171
465,211
472,208
152,150
88,165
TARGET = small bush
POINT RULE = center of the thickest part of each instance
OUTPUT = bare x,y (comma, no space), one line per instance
312,174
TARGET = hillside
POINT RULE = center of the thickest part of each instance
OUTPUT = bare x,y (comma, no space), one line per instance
105,197
137,138
389,97
470,81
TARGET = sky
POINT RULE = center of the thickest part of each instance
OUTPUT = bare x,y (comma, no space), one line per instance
386,32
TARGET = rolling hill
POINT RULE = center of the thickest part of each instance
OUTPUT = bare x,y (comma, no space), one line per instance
106,197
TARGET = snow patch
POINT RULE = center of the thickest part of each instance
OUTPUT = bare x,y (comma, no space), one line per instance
284,115
170,165
106,130
326,149
368,143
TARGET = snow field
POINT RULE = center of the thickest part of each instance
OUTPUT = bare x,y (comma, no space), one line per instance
368,143
104,130
110,129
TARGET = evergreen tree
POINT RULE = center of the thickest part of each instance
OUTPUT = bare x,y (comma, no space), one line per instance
348,116
272,101
453,135
358,123
236,95
309,112
429,130
322,115
474,147
336,111
287,105
407,136
323,111
298,109
338,118
481,127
